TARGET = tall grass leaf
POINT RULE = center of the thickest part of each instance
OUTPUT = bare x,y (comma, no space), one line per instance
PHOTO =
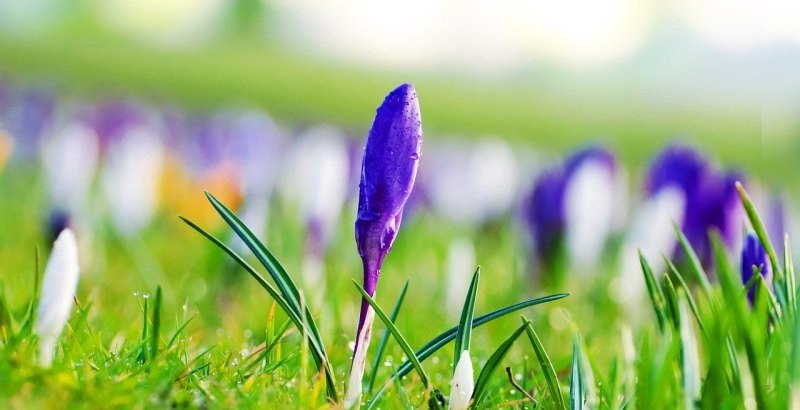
491,365
687,294
690,360
788,266
576,386
656,295
317,352
155,331
433,345
671,301
547,367
464,329
282,279
397,335
761,232
794,369
695,264
376,361
736,303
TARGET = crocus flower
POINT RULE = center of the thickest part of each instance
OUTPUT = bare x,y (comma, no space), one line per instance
462,384
58,287
681,187
29,119
754,257
388,170
573,209
70,160
131,176
460,266
492,170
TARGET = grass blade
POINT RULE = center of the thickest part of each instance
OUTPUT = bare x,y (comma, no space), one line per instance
688,294
761,232
736,302
690,361
656,295
397,335
156,326
385,338
547,367
671,300
576,386
492,363
282,279
694,263
317,352
445,337
464,330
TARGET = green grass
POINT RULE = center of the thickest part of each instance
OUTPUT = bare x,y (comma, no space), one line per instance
215,339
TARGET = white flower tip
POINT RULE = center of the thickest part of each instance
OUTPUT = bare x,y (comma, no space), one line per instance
353,396
462,385
58,288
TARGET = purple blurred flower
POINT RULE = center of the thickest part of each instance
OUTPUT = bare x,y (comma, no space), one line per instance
754,257
112,119
571,209
709,196
388,170
29,118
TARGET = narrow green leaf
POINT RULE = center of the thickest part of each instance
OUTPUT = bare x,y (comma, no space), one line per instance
690,361
178,332
282,279
445,337
491,365
384,339
788,266
736,303
687,293
317,352
464,329
576,380
397,335
695,264
656,296
794,369
761,232
155,332
547,367
671,299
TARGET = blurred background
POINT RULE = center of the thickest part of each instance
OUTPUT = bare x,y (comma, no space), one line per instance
115,115
555,74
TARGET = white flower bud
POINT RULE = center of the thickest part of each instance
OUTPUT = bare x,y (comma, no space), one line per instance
58,287
462,384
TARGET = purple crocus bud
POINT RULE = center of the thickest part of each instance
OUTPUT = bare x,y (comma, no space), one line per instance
572,209
754,257
388,170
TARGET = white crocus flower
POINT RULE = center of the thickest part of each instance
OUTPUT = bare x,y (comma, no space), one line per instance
652,233
491,169
70,161
589,203
58,287
131,179
462,385
460,266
